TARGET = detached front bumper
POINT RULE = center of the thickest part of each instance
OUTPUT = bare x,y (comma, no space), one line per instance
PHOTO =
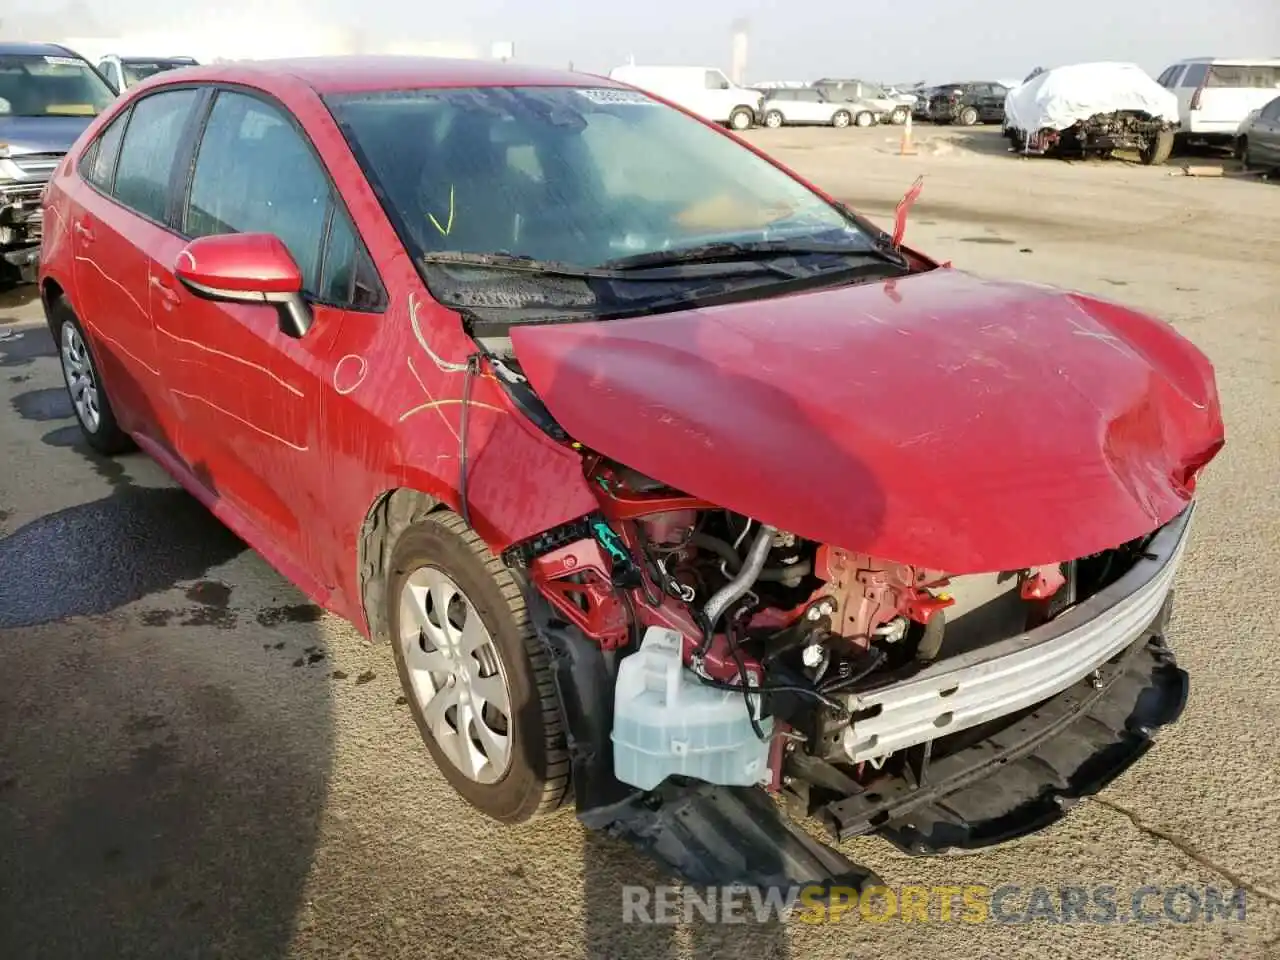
21,227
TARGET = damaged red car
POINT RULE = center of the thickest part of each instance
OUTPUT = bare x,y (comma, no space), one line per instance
673,484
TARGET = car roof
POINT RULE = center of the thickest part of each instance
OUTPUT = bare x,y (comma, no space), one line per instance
364,74
1234,61
33,49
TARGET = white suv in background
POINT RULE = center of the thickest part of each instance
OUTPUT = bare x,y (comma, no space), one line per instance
1216,94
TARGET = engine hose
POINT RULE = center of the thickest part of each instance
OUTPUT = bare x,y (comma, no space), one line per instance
734,590
730,556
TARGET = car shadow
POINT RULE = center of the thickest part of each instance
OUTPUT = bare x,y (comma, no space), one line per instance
163,765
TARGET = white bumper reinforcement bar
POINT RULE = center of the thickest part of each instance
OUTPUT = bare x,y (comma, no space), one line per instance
1019,672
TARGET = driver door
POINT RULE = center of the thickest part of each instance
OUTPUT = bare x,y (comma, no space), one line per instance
250,394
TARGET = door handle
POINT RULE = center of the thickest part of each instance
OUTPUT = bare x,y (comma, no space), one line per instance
84,232
164,292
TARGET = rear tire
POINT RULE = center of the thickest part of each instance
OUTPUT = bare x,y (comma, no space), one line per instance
1159,150
840,118
968,117
773,119
88,394
458,672
741,119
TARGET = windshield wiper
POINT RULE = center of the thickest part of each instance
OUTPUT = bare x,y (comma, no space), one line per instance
729,252
521,264
606,271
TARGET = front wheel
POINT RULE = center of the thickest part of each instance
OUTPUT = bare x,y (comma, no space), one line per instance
475,674
968,117
741,119
1158,150
773,119
898,117
865,119
84,383
841,118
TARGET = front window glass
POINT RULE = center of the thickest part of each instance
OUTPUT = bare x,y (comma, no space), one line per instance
37,86
575,175
255,174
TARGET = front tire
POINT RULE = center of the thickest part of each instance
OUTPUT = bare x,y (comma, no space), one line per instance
840,119
80,373
475,674
741,119
1159,150
968,117
773,119
865,119
898,117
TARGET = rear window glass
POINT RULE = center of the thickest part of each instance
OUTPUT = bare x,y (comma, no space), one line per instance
1252,77
36,86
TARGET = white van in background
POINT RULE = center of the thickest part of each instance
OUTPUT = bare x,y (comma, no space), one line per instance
1216,94
705,91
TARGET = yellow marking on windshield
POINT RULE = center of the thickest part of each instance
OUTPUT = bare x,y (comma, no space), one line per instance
445,230
72,109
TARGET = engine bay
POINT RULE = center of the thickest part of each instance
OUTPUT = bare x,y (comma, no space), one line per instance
788,629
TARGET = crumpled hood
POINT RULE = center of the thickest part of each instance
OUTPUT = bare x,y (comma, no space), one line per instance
943,419
41,134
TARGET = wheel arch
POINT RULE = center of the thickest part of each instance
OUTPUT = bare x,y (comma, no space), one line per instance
391,512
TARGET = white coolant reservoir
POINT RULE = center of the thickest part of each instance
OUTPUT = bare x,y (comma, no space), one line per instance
666,722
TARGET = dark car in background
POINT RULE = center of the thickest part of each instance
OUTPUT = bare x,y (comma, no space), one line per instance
48,96
968,103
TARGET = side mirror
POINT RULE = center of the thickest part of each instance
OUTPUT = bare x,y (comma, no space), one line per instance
246,268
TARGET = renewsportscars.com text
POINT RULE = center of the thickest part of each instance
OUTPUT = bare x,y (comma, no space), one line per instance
1102,904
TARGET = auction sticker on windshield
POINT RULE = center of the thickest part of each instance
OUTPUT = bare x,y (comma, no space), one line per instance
606,95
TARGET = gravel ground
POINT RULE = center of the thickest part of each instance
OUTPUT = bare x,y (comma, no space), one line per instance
194,762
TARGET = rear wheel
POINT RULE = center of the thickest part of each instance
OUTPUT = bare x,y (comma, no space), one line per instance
968,116
476,677
865,119
840,119
773,119
1158,150
84,384
741,118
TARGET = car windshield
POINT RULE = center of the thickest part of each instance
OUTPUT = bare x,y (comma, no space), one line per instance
574,175
39,86
135,71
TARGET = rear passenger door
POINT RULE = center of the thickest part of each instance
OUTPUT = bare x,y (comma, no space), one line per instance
251,394
122,224
810,107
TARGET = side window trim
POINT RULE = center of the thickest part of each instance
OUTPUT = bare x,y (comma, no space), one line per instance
183,199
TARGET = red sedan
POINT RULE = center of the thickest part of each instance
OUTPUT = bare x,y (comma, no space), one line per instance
671,481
